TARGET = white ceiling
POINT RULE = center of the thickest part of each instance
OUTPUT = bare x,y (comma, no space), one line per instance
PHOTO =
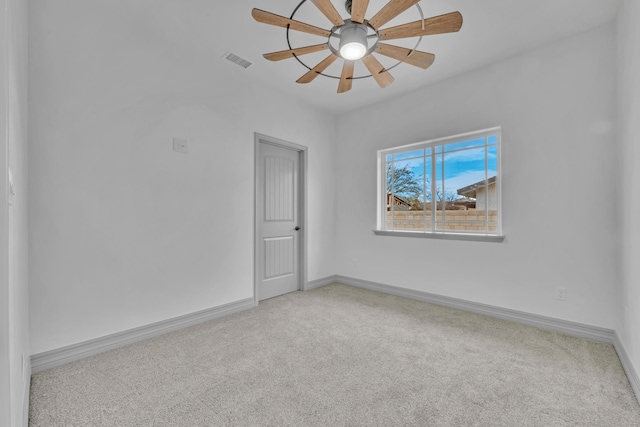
492,30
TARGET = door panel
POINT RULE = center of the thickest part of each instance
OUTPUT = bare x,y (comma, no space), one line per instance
279,189
278,214
278,258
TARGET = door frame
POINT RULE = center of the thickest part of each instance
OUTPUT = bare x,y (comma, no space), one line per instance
302,206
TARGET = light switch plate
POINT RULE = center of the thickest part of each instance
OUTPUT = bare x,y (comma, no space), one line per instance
180,145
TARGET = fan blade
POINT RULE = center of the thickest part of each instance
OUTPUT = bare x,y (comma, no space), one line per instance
413,57
286,54
281,21
448,23
358,10
328,10
390,11
315,71
378,72
346,79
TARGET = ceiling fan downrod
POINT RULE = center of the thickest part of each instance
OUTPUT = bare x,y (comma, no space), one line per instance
347,6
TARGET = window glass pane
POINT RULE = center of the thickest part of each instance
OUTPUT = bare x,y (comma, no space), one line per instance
409,154
427,180
390,208
478,142
405,194
463,168
406,180
485,194
438,195
408,220
492,161
464,185
492,189
457,194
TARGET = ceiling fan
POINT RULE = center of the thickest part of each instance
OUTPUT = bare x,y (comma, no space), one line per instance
357,38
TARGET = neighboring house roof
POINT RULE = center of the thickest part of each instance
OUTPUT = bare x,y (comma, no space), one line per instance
397,201
464,201
470,190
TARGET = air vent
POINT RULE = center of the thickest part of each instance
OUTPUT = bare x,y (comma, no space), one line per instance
237,60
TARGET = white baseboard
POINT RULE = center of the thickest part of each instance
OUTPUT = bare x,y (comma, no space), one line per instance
627,365
549,323
320,283
61,356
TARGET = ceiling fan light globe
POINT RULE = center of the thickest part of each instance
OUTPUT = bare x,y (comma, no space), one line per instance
353,51
353,41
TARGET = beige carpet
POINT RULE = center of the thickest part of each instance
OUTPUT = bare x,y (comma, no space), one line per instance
342,356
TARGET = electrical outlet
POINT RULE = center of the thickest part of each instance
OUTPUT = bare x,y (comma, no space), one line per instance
180,145
561,294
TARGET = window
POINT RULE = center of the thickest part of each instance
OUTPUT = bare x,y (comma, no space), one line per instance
448,186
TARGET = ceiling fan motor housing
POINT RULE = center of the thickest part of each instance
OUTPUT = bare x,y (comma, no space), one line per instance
353,40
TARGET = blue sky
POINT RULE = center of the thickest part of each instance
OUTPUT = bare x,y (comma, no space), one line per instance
464,162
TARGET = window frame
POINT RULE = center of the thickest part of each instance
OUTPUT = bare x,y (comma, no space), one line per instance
381,229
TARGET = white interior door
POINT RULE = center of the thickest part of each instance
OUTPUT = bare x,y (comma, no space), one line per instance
278,220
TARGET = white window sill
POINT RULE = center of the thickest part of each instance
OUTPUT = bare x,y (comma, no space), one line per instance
443,236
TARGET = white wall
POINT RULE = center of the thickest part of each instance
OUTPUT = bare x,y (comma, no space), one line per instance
5,353
555,106
629,131
14,330
124,231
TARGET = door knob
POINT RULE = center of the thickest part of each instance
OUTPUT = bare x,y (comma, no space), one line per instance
297,228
